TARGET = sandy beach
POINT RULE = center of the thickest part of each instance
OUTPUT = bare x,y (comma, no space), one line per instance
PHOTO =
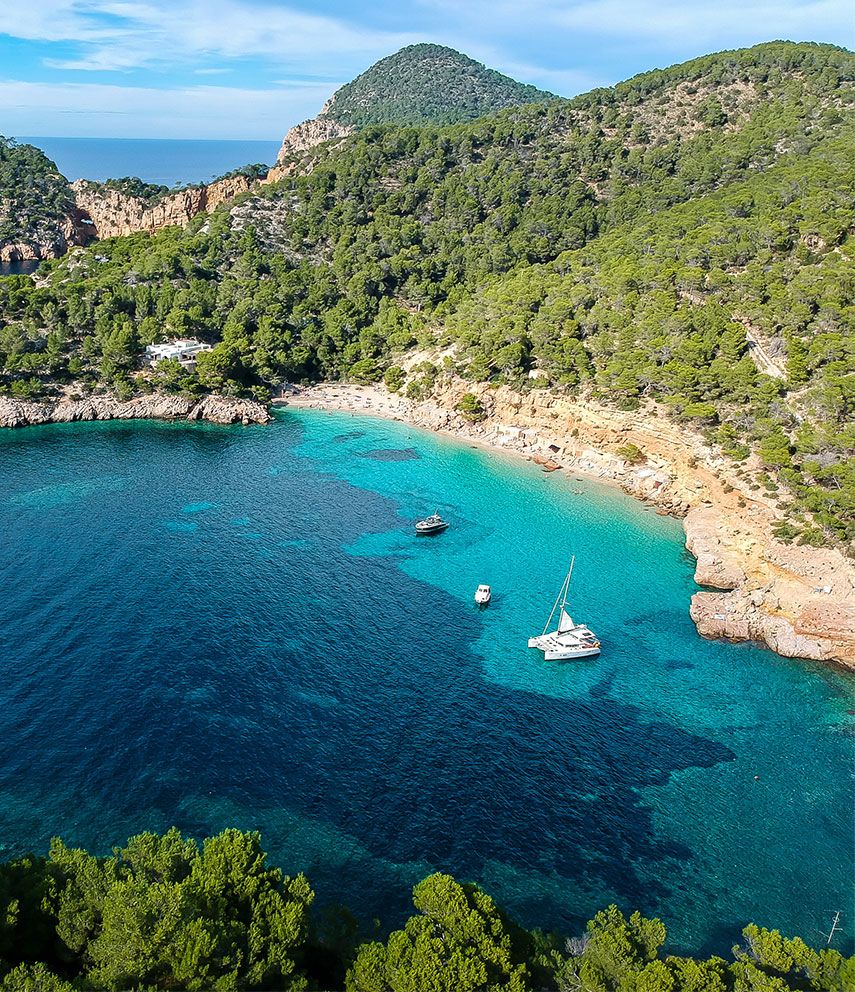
799,601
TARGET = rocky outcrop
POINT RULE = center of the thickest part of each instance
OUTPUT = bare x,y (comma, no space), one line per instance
822,632
48,241
302,138
155,406
717,566
798,601
113,213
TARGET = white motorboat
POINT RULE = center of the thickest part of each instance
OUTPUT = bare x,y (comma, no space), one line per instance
434,524
569,639
483,595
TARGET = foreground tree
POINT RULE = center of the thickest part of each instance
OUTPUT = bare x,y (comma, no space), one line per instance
459,941
166,914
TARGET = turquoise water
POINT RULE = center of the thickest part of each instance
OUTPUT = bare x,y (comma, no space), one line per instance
236,626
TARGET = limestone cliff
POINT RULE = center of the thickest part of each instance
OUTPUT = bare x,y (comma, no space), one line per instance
302,138
156,406
113,213
48,241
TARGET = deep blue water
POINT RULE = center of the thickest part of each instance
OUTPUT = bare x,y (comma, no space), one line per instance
162,161
211,626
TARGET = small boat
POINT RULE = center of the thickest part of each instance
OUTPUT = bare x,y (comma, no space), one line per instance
483,595
569,640
434,524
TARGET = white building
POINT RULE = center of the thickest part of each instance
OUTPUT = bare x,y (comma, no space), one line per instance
184,350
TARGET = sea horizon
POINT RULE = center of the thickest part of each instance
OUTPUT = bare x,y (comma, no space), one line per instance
160,161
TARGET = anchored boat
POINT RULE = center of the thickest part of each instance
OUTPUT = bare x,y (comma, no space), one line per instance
433,524
569,640
483,595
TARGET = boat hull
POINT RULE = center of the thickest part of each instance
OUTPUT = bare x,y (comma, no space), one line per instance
554,650
427,531
570,654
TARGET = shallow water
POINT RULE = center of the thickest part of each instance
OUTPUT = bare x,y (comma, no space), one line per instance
221,626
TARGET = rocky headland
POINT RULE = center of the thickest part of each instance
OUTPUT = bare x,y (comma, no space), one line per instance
112,213
154,406
799,601
303,138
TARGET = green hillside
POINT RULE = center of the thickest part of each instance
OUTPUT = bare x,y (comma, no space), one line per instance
427,84
623,245
36,203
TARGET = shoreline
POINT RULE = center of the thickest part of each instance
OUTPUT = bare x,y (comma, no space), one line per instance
154,406
799,601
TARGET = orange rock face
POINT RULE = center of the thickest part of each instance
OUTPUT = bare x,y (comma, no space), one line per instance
113,213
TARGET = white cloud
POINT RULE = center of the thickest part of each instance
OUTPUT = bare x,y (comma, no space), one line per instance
562,82
119,34
694,23
96,110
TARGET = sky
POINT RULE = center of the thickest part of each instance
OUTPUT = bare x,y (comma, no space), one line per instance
249,69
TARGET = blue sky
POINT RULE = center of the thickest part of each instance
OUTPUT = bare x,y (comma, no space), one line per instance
251,68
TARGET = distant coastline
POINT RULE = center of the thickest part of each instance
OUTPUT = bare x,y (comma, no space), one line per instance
154,406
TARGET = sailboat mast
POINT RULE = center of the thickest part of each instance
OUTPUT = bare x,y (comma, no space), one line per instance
567,582
562,597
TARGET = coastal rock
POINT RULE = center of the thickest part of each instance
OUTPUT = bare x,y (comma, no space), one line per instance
112,213
717,564
302,138
815,634
156,406
798,601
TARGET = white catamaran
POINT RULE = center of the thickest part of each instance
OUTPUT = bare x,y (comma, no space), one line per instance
569,639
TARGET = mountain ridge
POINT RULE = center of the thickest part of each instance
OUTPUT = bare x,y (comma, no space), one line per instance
419,84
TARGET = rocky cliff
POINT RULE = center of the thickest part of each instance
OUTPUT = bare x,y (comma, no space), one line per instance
799,601
48,241
302,138
156,406
113,213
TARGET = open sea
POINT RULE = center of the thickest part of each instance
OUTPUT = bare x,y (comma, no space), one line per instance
210,626
163,161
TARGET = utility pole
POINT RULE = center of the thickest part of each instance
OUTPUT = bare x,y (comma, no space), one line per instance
835,926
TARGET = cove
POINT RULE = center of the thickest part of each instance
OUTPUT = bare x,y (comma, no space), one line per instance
212,627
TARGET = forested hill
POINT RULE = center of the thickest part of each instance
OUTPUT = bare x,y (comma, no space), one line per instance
36,204
427,84
628,245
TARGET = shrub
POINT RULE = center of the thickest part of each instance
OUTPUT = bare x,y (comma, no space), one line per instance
394,378
632,453
470,406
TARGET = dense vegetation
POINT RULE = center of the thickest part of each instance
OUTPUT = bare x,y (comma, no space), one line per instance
622,245
35,200
427,84
167,913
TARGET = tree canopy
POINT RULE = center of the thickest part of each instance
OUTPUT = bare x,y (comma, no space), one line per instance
167,912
